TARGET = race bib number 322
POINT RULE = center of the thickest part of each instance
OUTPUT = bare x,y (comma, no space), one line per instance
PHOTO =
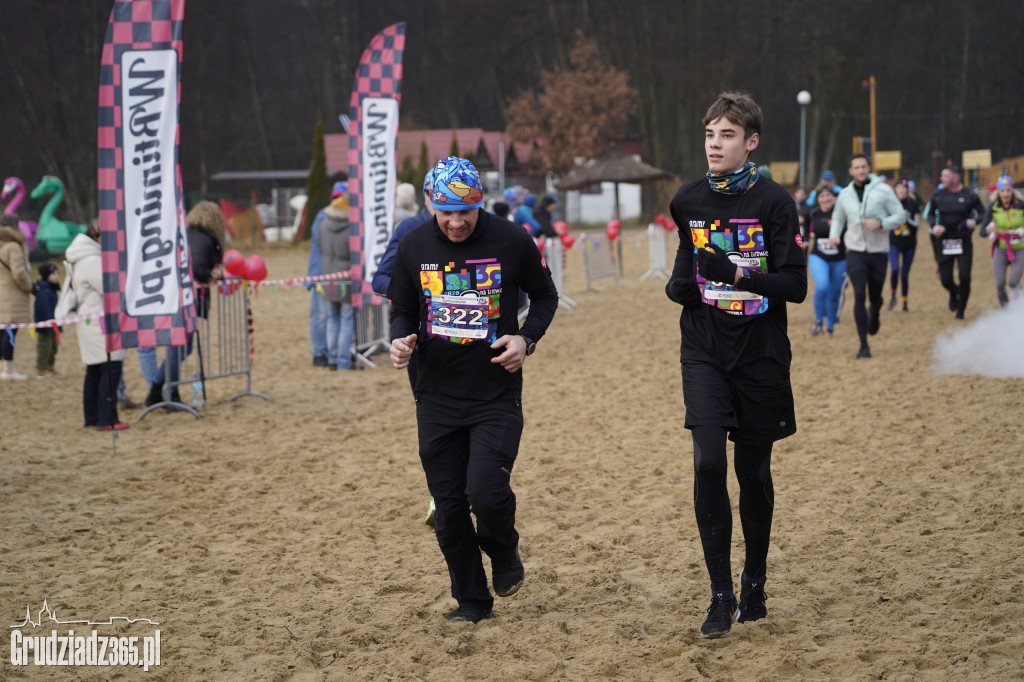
463,317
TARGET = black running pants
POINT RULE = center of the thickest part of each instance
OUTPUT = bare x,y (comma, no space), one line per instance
867,277
711,503
467,449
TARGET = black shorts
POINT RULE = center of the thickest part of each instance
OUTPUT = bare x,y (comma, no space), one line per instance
754,402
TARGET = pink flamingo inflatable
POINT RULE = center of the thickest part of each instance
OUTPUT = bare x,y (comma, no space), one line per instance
14,186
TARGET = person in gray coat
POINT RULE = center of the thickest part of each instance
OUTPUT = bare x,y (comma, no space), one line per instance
337,257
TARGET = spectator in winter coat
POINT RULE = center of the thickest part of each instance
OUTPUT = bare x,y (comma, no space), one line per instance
46,291
15,287
102,369
341,319
524,216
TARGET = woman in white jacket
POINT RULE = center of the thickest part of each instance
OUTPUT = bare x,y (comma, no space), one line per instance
102,370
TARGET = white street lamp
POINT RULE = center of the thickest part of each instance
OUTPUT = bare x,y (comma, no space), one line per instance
803,98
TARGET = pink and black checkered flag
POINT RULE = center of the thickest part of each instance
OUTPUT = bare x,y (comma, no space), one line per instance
147,280
372,155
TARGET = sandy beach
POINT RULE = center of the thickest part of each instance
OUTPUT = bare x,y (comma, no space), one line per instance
283,539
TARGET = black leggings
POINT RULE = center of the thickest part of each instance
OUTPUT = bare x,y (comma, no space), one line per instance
963,265
867,277
711,503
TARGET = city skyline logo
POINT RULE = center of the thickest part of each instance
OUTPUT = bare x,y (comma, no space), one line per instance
52,616
60,645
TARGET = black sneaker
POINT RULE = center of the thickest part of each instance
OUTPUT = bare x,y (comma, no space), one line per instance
752,598
508,576
864,352
954,303
155,395
319,360
905,308
874,320
469,614
721,615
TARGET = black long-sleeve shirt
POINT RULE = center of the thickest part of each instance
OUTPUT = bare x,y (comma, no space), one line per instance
460,297
760,229
952,209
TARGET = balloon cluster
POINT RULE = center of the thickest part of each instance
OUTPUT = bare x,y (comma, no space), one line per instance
562,230
236,266
665,222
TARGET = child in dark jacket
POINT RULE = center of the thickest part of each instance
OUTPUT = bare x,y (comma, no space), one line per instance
46,291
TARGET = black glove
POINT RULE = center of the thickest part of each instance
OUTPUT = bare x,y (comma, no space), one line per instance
714,265
684,291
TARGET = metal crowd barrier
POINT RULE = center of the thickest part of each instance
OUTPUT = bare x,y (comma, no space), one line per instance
598,261
220,348
657,253
373,331
554,256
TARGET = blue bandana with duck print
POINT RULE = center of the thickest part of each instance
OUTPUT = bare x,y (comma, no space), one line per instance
736,182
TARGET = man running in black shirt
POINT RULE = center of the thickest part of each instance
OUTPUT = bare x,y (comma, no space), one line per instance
952,213
740,259
454,295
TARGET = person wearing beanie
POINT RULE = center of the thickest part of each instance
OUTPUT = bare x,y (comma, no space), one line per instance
1004,225
336,248
524,216
454,294
47,291
314,268
511,197
828,179
953,212
15,290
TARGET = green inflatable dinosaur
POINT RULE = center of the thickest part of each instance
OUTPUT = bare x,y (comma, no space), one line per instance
54,235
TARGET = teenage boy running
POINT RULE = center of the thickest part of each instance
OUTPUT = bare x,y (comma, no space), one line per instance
740,259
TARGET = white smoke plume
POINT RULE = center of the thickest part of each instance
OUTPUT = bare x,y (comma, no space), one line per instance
990,346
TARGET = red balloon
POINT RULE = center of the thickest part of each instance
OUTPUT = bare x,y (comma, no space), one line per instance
255,268
612,229
567,240
234,263
560,227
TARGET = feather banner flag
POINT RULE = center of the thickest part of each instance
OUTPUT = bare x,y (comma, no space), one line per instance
148,298
372,155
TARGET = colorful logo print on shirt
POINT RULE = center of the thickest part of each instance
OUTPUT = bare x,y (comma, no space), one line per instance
462,303
743,240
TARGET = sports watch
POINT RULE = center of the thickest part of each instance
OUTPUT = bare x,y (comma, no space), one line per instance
531,345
